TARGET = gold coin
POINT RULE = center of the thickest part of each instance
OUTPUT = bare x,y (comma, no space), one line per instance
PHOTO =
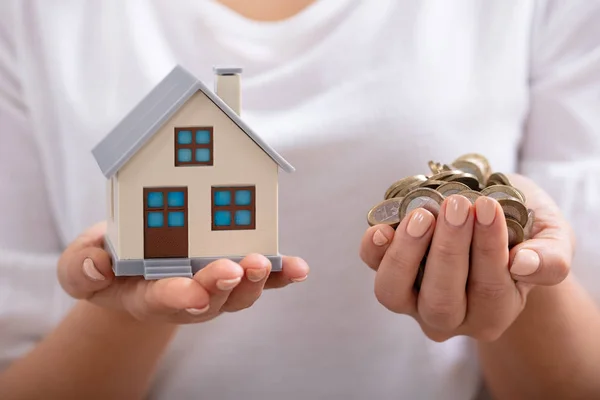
514,209
467,179
515,232
528,228
435,168
472,195
403,190
523,198
450,188
498,178
398,186
426,198
502,192
431,184
470,168
442,176
385,212
481,162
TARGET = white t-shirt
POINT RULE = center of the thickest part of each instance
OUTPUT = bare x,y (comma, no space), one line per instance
355,94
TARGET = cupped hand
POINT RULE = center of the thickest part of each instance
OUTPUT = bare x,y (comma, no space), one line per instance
472,284
85,272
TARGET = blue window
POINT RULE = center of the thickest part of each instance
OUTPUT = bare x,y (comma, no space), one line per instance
176,199
155,200
222,218
165,207
202,155
177,219
184,137
222,198
243,217
202,137
243,198
233,208
155,220
184,155
194,146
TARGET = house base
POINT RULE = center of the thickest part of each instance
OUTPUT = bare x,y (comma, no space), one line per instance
159,268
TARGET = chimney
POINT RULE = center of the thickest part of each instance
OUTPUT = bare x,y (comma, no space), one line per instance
227,86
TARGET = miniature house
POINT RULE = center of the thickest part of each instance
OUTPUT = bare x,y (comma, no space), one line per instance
188,182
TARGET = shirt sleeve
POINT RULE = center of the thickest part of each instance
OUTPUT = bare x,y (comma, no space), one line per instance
29,245
561,147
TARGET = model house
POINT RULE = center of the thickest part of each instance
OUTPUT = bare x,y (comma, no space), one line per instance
188,182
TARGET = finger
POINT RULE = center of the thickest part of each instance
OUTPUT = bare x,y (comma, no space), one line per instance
294,270
542,260
442,299
206,292
398,269
492,297
147,299
219,278
83,271
256,268
374,244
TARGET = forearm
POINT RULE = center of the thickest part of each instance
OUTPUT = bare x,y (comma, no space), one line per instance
93,354
551,351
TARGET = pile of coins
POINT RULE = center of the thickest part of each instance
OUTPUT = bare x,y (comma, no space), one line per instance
470,176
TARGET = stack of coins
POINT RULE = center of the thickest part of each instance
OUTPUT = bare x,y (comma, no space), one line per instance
470,176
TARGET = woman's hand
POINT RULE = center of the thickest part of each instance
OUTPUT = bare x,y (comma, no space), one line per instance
85,272
472,284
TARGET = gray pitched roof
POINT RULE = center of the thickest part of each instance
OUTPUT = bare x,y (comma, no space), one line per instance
134,131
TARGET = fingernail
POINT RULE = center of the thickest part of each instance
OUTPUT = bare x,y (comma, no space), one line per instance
256,275
419,223
379,238
457,210
299,279
485,210
526,262
90,270
228,284
197,311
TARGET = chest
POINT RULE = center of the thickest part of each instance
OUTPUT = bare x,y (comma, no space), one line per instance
365,104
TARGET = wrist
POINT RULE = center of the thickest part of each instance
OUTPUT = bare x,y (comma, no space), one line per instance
545,307
100,320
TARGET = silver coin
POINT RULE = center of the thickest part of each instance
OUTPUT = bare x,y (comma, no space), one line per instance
431,184
515,232
514,209
426,198
450,188
470,168
528,228
502,192
472,195
385,212
466,179
498,178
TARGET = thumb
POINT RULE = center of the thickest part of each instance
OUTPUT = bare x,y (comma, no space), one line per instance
85,267
544,260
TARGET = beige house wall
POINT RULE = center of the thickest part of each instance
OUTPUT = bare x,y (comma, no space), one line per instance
112,210
237,161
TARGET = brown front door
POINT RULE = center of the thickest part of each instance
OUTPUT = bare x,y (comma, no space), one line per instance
165,222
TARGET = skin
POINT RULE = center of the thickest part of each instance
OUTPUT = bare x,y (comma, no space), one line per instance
126,325
537,334
267,10
535,341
